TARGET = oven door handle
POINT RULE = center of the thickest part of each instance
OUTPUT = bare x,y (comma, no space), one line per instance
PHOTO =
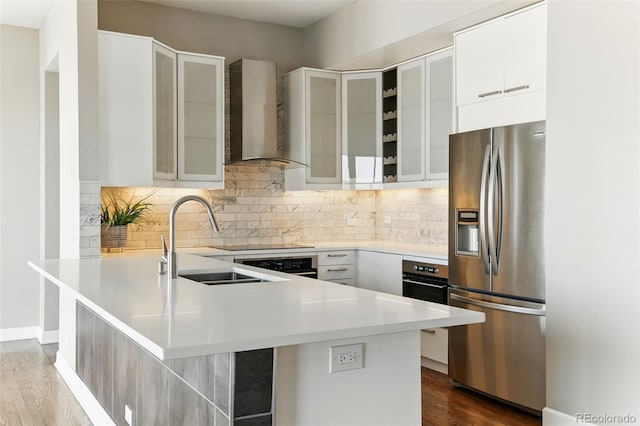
405,280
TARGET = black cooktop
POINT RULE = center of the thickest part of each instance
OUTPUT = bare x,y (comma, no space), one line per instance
261,246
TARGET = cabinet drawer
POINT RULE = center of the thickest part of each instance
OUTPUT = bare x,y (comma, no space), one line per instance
335,257
434,344
335,272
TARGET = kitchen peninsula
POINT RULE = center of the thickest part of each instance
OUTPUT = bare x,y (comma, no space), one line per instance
138,348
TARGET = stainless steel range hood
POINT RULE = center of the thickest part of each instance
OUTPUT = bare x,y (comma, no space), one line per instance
253,109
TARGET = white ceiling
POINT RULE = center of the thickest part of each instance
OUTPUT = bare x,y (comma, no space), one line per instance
293,13
24,13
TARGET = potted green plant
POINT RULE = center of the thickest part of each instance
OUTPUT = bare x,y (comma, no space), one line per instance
115,214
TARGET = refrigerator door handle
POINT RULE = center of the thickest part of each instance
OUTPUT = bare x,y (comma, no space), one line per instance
495,209
491,212
498,306
500,194
484,251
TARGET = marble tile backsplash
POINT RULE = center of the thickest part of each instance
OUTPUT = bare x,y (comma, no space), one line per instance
89,219
413,216
254,209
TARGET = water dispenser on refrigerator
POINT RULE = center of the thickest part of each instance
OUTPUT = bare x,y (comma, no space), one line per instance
467,232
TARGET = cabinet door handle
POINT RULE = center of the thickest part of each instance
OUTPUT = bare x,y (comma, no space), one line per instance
337,269
484,95
430,331
513,89
337,255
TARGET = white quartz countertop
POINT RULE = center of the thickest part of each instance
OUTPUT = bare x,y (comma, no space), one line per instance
428,252
181,318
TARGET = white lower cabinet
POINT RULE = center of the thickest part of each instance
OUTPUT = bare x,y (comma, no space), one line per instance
434,348
380,271
337,266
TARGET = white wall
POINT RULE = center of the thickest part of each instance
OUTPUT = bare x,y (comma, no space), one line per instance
205,33
50,201
26,56
58,38
68,35
87,28
68,41
19,179
593,209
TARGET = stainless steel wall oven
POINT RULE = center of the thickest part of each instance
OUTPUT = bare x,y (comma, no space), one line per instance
425,281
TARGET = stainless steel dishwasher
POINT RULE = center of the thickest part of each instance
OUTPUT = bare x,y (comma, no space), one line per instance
303,265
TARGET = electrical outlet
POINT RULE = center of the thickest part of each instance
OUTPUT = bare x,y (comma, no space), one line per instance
128,415
346,357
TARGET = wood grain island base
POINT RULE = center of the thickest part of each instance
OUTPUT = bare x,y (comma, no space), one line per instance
140,349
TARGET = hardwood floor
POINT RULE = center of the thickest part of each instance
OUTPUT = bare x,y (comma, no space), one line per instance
32,392
445,405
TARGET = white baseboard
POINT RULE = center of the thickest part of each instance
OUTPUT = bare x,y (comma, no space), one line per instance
24,333
20,333
91,406
551,417
47,337
434,365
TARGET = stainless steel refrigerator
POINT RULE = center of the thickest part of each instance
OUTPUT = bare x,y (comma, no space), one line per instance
496,261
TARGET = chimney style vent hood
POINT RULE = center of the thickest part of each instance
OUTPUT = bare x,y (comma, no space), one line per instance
253,109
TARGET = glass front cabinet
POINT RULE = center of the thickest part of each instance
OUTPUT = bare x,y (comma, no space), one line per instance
313,128
376,129
362,128
439,113
425,117
164,113
200,118
161,114
411,119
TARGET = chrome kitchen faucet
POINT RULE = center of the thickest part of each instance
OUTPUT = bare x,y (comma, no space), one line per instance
170,257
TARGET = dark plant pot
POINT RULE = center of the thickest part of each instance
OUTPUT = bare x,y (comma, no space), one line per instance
113,237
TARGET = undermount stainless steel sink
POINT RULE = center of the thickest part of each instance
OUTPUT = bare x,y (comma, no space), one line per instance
226,277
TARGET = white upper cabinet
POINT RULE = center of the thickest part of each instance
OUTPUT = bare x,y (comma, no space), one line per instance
313,128
164,113
322,130
161,114
425,117
362,127
440,113
411,121
501,70
525,51
479,63
200,126
371,129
